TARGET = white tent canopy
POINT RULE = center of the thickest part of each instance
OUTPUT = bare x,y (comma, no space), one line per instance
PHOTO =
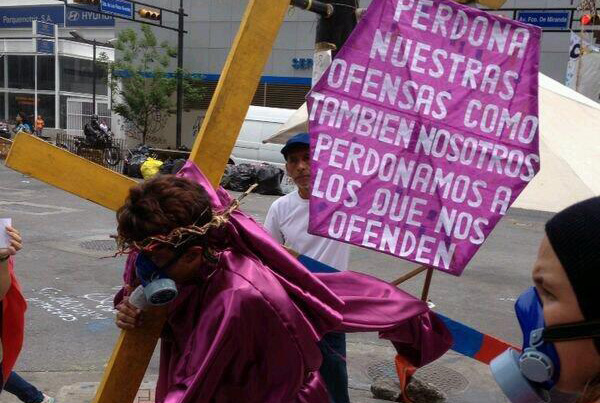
569,147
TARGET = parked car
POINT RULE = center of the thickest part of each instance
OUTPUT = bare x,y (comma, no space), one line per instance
260,123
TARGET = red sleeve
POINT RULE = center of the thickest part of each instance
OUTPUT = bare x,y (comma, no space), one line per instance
13,323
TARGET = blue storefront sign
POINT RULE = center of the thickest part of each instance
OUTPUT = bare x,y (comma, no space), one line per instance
44,46
44,28
122,8
546,19
22,17
84,16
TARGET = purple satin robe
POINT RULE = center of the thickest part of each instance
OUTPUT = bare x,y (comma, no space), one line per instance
248,333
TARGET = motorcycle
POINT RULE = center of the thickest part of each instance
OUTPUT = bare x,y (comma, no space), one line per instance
5,130
111,155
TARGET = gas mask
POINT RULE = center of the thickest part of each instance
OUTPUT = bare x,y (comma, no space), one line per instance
159,289
528,376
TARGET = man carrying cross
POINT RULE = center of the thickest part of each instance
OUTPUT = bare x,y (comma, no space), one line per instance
248,317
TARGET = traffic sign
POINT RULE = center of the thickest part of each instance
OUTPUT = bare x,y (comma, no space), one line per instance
121,8
546,19
44,46
44,28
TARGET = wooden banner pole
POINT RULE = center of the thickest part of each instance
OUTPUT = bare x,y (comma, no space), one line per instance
409,275
427,284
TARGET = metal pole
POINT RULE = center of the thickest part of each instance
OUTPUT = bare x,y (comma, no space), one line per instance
56,81
94,79
35,93
179,77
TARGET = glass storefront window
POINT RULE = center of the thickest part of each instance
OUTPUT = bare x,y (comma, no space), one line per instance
46,109
45,73
21,72
21,103
76,75
2,106
2,74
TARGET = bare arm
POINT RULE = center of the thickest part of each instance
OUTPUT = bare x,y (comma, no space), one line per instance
13,248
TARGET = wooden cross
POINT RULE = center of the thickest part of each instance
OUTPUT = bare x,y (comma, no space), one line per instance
215,140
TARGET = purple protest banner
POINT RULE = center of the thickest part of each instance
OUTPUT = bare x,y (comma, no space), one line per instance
424,130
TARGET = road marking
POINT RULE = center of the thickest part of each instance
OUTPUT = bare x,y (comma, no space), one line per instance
73,308
34,208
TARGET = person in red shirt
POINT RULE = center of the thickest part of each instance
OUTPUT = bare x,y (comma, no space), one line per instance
12,324
12,307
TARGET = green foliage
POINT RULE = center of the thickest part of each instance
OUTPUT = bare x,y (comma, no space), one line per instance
141,89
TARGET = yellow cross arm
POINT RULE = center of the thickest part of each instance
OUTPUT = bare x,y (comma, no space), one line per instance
57,167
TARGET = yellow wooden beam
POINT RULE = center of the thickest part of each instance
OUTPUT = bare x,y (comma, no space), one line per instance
239,80
129,360
62,169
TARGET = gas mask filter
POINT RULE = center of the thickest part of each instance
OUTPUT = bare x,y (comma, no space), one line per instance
159,289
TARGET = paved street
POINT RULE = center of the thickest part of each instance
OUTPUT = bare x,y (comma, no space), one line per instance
69,285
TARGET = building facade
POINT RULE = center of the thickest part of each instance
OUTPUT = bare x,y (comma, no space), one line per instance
212,25
55,81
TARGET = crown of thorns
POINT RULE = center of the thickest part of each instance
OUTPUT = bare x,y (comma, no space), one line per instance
181,235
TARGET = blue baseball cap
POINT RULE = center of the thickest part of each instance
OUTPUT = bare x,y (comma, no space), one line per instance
300,139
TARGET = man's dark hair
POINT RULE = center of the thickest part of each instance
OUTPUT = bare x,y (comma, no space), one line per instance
161,204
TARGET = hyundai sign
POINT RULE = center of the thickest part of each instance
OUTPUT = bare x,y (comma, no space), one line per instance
84,16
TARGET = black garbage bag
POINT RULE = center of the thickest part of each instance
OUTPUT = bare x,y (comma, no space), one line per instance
241,177
269,180
177,165
226,176
167,167
134,165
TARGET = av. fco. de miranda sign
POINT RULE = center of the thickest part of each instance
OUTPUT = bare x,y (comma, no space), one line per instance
424,130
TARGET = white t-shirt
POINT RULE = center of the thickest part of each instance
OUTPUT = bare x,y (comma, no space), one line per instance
287,221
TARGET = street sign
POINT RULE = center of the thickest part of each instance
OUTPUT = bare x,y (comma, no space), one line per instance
44,46
44,28
121,8
21,17
546,19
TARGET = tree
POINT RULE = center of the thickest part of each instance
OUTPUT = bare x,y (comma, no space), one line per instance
141,88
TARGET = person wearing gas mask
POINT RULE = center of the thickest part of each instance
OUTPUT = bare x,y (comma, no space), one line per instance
244,316
560,316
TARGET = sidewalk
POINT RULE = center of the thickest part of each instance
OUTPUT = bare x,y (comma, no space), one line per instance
461,379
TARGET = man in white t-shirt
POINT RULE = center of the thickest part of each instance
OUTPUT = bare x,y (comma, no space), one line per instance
287,221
